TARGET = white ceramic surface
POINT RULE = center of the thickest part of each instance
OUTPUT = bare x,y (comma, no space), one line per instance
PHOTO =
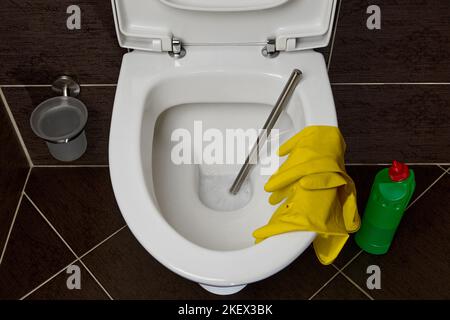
159,202
223,5
294,24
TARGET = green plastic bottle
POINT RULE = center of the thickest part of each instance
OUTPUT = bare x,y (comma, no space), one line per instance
391,192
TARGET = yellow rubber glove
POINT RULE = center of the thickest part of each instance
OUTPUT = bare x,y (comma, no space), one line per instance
319,195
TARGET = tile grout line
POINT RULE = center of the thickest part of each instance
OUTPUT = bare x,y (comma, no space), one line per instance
72,166
62,239
49,85
16,211
328,64
102,242
341,270
78,259
48,280
91,250
337,273
387,83
324,286
96,280
16,128
357,286
354,283
367,164
427,189
334,36
49,223
408,163
120,229
349,262
347,164
99,85
25,86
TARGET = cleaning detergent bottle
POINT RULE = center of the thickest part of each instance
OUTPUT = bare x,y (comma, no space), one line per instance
389,197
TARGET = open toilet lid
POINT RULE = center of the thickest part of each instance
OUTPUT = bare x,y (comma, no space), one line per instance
295,24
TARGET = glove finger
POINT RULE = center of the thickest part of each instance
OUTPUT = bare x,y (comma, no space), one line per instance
324,180
287,147
288,175
281,180
275,226
279,195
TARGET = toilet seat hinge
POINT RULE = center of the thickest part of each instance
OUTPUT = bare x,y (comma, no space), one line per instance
270,49
178,51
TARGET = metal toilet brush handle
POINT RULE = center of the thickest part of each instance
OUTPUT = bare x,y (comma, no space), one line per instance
268,126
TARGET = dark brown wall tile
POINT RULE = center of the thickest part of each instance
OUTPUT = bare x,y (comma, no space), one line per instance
402,122
99,101
33,255
13,171
79,202
413,44
379,123
326,50
36,45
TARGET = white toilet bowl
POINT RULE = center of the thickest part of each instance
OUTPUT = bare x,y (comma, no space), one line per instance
224,87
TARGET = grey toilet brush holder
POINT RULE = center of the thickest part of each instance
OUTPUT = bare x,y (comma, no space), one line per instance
60,121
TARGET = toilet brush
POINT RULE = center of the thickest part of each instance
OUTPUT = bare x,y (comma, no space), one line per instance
280,105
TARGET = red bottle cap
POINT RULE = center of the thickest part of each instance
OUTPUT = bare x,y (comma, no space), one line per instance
398,171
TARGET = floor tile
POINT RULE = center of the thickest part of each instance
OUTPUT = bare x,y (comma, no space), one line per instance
129,272
99,102
34,253
363,177
14,169
406,123
56,289
413,44
349,251
417,265
37,46
300,280
79,202
340,289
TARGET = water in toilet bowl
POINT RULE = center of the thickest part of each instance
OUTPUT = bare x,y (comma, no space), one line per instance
214,188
